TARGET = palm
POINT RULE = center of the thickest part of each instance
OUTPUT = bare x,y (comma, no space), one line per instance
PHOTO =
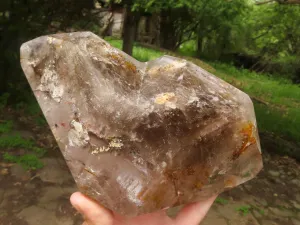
96,214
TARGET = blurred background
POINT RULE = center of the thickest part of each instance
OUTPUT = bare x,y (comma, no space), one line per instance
252,44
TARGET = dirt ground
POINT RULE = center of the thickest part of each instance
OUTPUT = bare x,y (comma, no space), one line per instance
42,196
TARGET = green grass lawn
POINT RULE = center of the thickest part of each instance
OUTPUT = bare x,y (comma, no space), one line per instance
280,113
276,100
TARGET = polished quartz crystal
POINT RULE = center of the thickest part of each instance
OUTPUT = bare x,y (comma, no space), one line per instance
140,137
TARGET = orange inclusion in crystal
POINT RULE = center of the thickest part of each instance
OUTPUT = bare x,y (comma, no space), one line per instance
247,131
126,64
130,66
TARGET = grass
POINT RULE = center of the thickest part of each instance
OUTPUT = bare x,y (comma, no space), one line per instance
188,48
280,111
221,201
140,53
276,100
274,90
3,100
244,209
11,142
27,161
32,109
6,126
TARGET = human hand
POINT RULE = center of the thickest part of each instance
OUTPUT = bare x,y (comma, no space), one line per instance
95,214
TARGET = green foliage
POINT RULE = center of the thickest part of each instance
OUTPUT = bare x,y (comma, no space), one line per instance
276,28
158,5
244,209
6,126
221,201
215,29
273,35
219,26
28,161
188,48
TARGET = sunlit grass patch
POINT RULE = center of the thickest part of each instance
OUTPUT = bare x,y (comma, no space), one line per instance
140,53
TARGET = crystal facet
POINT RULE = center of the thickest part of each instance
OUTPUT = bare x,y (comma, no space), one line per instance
139,137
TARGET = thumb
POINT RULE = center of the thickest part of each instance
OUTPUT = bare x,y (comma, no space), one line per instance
93,213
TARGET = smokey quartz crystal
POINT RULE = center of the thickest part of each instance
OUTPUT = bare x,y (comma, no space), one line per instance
140,137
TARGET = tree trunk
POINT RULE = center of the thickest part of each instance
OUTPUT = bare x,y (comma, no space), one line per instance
168,39
199,45
107,31
3,80
130,26
155,29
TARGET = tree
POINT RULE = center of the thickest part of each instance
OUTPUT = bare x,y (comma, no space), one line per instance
274,36
172,14
213,23
278,1
21,20
183,20
130,27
